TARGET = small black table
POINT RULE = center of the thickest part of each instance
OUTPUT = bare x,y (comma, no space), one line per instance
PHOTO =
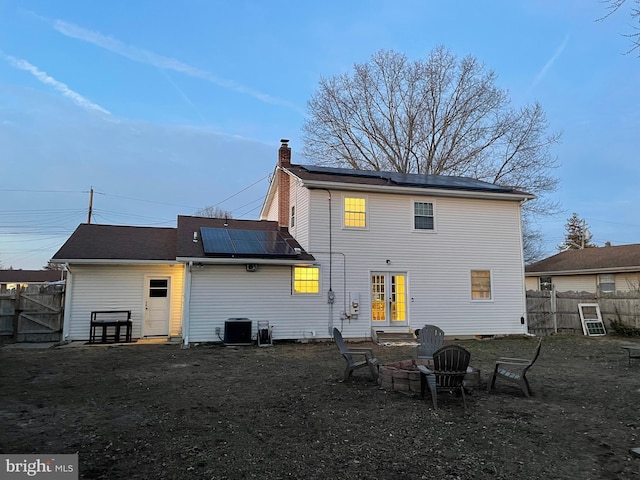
105,319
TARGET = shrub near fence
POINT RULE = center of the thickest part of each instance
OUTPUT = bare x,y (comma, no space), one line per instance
557,312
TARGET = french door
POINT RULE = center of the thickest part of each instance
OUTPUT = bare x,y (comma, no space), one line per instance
388,299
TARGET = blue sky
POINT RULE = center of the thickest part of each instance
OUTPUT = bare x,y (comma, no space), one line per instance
164,108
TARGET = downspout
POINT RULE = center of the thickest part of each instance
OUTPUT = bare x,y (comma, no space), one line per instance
524,321
344,282
186,314
66,317
330,295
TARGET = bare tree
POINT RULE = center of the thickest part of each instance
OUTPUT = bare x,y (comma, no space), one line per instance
613,6
440,115
213,212
532,244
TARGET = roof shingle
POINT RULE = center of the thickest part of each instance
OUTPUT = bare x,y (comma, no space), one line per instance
623,257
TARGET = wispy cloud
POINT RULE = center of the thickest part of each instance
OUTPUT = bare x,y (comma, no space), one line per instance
547,66
49,80
159,61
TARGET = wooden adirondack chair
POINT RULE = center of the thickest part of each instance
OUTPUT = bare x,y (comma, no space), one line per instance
431,339
365,356
514,370
450,365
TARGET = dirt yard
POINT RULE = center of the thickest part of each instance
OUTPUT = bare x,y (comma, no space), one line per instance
215,412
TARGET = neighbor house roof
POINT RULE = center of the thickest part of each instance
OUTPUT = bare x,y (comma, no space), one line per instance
442,183
589,260
187,248
91,242
30,276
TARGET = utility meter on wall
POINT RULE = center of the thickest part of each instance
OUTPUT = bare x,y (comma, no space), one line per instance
354,304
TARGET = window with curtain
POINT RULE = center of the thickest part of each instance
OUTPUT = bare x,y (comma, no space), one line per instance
480,284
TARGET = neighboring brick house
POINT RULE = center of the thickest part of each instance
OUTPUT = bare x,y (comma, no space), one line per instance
596,270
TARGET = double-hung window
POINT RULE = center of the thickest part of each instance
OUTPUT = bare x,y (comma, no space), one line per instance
423,218
481,285
607,283
355,212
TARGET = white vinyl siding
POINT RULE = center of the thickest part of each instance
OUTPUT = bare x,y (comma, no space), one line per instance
471,233
123,287
575,283
229,291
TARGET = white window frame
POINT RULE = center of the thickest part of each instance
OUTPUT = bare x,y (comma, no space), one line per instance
293,280
550,283
592,325
366,211
413,215
490,299
601,282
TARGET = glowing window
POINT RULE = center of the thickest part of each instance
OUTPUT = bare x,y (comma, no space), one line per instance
306,280
355,212
481,284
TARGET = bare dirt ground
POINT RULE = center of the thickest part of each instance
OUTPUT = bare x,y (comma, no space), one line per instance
214,412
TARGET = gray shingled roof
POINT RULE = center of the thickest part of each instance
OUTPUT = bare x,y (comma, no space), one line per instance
30,276
622,257
114,242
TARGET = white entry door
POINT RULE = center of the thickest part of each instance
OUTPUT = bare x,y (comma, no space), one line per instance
389,299
157,307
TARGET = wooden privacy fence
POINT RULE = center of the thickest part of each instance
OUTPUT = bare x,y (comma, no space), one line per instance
32,314
557,312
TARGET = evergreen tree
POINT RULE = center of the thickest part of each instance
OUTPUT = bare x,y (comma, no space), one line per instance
577,235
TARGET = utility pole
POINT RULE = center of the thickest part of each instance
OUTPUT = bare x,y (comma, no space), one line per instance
90,205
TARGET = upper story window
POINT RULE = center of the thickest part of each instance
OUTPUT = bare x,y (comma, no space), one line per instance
423,218
306,280
545,283
481,284
293,216
607,283
355,212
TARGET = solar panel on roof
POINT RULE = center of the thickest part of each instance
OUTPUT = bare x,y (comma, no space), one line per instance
228,241
412,179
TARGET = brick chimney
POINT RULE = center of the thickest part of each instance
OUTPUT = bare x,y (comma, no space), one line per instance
284,161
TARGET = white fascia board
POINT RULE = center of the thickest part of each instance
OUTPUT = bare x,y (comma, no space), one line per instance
590,271
436,192
244,261
270,194
100,261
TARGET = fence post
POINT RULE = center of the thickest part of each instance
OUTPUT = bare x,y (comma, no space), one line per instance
554,308
16,313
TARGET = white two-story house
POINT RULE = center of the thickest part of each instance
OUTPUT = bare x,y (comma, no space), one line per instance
362,251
